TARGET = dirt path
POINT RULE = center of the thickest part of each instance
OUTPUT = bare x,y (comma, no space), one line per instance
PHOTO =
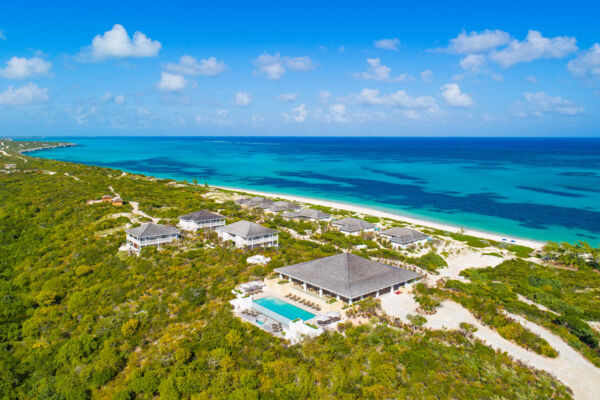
570,367
136,210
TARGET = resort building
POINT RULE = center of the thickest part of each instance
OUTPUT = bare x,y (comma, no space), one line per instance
255,202
347,277
201,220
353,226
246,234
150,234
403,237
279,206
310,214
106,198
117,201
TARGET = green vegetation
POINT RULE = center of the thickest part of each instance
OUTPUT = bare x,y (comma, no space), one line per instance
572,296
431,262
80,320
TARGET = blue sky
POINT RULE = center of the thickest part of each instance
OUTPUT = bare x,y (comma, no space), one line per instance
340,68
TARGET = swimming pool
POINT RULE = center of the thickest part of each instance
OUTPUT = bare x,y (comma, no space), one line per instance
283,308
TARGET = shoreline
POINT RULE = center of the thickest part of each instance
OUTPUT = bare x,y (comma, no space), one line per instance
535,244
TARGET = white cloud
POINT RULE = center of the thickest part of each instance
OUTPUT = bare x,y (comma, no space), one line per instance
379,72
188,65
387,44
116,43
472,62
531,79
399,99
120,99
172,82
427,76
2,35
454,97
538,104
287,97
298,114
324,96
478,42
274,67
28,94
299,63
242,99
337,113
106,96
587,64
22,68
535,46
220,117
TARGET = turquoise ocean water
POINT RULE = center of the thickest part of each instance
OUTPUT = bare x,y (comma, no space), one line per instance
545,189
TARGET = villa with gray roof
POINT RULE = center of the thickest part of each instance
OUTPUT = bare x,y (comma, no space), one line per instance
257,201
150,234
307,213
347,277
246,234
403,237
279,206
201,220
353,226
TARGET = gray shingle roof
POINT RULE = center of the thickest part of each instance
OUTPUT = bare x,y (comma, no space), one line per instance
353,224
404,235
348,275
307,213
246,229
150,230
201,215
282,206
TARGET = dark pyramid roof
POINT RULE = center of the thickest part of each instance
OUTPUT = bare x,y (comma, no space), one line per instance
246,229
150,230
201,215
347,274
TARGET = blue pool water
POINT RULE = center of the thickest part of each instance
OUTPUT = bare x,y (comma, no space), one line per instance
545,189
284,308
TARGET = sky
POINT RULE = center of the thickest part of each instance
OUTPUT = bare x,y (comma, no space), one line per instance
299,69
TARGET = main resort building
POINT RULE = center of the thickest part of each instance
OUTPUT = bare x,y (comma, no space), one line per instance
150,234
347,277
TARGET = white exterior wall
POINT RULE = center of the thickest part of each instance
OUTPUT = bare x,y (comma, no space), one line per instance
355,233
194,225
403,246
271,240
137,244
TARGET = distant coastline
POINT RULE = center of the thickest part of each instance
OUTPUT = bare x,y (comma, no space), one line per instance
498,187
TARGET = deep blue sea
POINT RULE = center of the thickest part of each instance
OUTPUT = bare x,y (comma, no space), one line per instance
545,189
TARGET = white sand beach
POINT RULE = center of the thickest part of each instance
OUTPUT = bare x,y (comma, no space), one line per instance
399,217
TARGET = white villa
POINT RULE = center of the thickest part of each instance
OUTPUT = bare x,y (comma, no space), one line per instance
246,234
310,214
201,220
403,237
150,234
353,226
